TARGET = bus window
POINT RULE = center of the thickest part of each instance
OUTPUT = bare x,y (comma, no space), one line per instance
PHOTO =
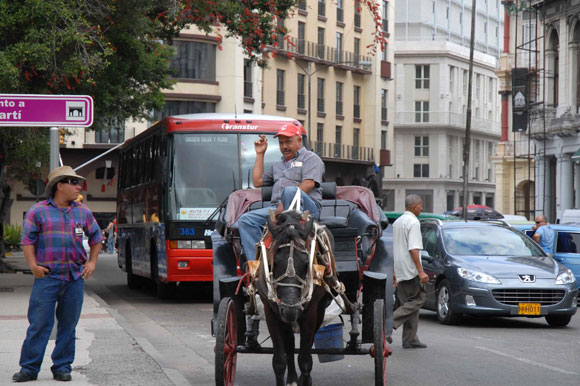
205,171
248,155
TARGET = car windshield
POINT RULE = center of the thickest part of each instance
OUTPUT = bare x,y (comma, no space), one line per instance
488,241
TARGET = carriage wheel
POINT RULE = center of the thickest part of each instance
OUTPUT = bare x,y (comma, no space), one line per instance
380,343
226,342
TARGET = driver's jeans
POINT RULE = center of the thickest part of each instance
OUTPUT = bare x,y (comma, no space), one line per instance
250,224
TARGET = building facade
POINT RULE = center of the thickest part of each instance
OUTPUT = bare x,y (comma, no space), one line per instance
557,130
432,71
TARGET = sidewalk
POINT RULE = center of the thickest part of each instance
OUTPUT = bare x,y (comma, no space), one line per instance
106,355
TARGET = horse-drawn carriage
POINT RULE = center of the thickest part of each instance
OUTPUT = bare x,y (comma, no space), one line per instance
302,265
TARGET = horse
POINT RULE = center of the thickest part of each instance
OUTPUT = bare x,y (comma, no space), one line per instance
291,301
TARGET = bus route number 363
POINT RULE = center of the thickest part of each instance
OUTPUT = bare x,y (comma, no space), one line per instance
186,231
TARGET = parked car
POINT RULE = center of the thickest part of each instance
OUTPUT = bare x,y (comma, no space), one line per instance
513,219
566,245
393,216
478,212
490,269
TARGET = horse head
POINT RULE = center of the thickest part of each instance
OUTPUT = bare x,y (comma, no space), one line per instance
291,270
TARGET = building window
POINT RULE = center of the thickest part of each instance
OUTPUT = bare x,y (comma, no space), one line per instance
184,107
248,91
301,37
194,60
464,83
356,15
356,98
320,96
421,76
320,42
339,98
355,143
338,141
383,139
478,87
451,80
421,146
280,88
339,53
356,50
383,105
321,8
301,94
115,134
302,5
421,111
339,11
385,16
450,201
420,170
319,138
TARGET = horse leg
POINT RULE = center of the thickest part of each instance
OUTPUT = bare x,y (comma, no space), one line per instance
305,357
292,378
278,343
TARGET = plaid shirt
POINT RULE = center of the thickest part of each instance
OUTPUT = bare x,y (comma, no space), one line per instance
57,234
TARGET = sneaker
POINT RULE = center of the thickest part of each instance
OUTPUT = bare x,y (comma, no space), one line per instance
22,376
414,344
63,377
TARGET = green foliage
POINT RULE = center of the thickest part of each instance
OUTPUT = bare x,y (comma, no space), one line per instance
25,147
12,237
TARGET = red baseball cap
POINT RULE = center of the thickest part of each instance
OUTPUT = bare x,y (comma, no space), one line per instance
289,130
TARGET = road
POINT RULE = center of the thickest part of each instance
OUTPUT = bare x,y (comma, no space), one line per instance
492,351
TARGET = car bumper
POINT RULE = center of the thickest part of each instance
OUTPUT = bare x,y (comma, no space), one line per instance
487,305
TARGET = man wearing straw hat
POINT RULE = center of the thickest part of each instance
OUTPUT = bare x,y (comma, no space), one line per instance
52,242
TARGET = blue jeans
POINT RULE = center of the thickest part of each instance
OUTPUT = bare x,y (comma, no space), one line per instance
250,224
111,244
48,294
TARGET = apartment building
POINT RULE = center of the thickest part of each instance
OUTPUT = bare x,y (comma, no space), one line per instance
325,77
557,130
514,160
431,83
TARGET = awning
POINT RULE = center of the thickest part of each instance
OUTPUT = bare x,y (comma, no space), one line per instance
576,156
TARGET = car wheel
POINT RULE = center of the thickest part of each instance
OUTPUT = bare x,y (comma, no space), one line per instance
444,312
558,320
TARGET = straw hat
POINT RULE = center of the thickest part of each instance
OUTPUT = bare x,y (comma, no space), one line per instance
59,174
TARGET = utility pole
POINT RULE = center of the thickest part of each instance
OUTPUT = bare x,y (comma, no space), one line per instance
54,148
467,147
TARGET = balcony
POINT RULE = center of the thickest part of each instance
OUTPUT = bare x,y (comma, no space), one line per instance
339,151
559,121
324,54
455,120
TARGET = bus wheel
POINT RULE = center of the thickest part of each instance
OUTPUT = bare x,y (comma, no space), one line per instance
164,290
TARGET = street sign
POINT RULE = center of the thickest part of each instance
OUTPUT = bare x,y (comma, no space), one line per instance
46,110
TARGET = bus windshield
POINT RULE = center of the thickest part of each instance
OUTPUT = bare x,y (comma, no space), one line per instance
206,169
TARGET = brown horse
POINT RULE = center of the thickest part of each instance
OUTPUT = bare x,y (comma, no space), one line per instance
291,300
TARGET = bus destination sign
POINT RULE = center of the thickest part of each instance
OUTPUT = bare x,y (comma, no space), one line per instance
46,110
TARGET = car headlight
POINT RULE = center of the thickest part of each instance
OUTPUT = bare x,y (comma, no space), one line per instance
566,277
477,276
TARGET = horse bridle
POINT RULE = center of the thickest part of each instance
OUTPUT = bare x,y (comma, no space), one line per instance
272,283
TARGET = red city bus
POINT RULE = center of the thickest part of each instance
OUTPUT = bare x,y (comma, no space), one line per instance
172,178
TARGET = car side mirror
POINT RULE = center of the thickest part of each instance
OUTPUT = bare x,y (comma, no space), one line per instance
426,256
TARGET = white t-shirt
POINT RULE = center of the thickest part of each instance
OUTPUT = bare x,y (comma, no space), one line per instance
406,236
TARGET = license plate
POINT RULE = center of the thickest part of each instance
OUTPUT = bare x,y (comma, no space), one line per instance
529,309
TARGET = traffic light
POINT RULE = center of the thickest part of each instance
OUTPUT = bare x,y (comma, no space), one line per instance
61,134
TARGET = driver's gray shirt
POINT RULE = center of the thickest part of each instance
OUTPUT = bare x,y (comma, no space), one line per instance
306,165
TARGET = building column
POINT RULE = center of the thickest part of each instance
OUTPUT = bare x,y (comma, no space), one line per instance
539,165
564,184
577,187
573,73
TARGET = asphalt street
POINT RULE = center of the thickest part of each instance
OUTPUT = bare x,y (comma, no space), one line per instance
491,351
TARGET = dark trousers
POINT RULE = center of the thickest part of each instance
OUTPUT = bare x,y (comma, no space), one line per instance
411,295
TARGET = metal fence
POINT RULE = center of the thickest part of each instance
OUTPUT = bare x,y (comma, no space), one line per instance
343,152
451,119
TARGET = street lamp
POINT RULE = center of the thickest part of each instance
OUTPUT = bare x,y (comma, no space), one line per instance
309,73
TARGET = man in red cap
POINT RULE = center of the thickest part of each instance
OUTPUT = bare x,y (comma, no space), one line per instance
299,168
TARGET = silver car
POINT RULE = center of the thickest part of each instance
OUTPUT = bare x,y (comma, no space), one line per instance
486,269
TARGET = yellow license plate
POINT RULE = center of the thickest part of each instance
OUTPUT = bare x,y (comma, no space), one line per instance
529,309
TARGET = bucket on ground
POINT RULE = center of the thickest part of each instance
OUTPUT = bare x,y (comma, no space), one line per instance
329,337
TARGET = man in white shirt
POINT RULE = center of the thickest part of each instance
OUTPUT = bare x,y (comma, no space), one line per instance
409,274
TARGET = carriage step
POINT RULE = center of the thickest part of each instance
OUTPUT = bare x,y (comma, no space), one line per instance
330,351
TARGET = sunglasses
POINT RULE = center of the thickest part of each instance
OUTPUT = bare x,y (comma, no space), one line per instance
72,181
539,222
